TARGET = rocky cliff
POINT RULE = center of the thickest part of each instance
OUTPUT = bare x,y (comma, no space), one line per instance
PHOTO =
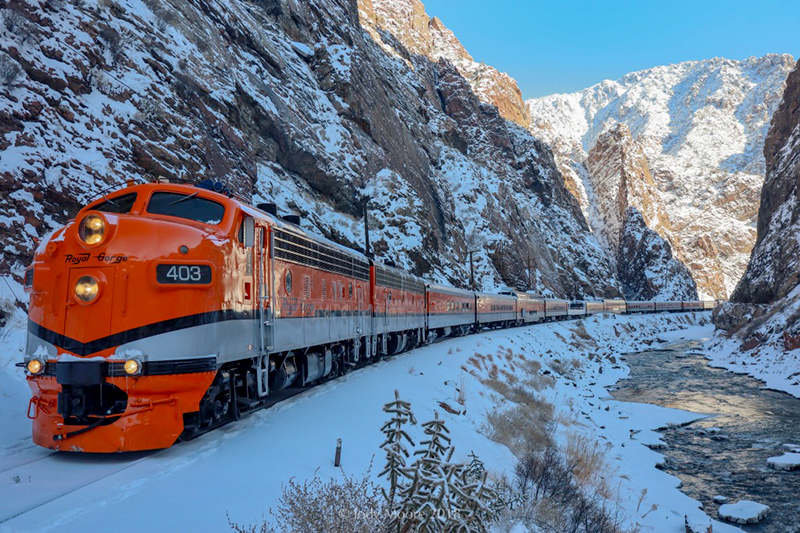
628,215
774,269
292,102
405,23
762,320
701,126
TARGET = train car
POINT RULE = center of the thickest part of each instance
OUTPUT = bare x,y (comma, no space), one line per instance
693,305
450,311
398,300
577,308
593,307
709,304
662,307
166,310
555,309
638,306
614,306
531,307
496,310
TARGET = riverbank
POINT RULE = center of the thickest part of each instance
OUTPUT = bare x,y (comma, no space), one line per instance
566,365
769,360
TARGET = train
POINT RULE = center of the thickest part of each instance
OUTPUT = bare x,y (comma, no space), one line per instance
165,310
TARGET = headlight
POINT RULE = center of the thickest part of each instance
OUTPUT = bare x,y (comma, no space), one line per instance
86,289
133,366
35,366
92,229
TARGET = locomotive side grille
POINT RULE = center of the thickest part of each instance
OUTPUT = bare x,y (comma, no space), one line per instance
298,249
389,278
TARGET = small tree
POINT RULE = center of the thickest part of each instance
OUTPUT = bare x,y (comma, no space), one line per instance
433,494
480,503
395,443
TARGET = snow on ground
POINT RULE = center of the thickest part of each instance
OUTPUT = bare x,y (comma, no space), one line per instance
743,512
239,469
777,368
787,461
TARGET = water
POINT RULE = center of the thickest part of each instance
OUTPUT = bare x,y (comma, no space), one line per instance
725,454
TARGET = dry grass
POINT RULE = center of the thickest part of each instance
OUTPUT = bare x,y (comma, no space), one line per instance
587,458
461,389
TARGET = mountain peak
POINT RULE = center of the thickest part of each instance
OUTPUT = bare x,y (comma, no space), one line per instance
702,126
413,32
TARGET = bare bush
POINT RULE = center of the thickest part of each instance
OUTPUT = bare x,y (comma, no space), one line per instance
13,20
115,44
461,389
520,426
9,71
150,112
553,501
351,504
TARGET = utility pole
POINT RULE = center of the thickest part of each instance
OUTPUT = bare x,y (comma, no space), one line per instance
529,265
471,270
366,226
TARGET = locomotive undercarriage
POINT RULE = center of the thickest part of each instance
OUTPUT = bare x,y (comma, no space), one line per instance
236,389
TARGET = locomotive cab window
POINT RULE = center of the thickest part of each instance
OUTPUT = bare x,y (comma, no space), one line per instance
120,205
188,206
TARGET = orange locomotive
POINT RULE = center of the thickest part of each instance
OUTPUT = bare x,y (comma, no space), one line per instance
151,311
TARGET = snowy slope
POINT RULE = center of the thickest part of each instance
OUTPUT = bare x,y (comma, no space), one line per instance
293,102
239,469
701,125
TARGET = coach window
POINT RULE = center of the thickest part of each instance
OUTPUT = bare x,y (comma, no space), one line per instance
287,281
188,206
120,204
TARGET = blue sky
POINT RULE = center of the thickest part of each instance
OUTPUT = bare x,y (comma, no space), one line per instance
564,46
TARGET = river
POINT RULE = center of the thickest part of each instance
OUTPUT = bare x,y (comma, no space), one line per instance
725,453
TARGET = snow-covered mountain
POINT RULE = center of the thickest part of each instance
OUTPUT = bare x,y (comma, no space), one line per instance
762,320
287,101
701,126
626,213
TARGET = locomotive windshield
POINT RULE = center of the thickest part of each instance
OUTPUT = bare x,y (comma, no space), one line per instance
188,206
120,204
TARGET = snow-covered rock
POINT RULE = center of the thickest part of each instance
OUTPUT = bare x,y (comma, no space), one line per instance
701,125
720,499
408,23
743,512
787,461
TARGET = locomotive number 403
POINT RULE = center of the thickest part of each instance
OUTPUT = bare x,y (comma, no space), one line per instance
171,274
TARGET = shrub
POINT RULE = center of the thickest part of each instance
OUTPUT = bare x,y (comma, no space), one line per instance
347,505
553,501
12,20
9,71
114,43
